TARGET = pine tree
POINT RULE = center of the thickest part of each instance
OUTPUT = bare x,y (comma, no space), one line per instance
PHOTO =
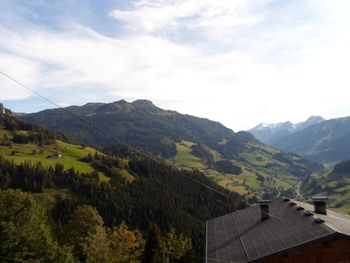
24,231
153,252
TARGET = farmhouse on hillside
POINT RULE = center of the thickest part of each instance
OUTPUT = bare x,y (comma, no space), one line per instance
54,156
282,231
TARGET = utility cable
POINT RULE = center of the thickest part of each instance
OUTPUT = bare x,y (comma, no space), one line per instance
58,106
93,126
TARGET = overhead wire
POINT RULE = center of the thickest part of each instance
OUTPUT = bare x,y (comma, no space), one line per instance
56,105
104,131
119,142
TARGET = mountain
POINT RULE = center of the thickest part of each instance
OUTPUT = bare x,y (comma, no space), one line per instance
270,133
327,142
236,161
125,186
332,182
140,124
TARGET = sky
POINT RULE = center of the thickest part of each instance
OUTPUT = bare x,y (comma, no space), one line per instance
239,62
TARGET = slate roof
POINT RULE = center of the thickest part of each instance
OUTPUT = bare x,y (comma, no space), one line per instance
242,236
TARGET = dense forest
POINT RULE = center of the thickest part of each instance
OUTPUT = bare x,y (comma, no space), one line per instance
232,159
26,236
161,208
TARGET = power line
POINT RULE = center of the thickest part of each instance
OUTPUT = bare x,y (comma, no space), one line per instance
119,142
104,131
204,185
95,127
58,106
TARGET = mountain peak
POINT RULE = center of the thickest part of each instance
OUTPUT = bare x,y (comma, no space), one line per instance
121,102
270,133
316,118
143,103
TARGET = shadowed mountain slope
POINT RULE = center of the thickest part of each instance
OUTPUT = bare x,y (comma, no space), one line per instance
236,161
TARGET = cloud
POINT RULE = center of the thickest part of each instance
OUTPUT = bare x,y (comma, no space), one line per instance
263,65
23,68
166,16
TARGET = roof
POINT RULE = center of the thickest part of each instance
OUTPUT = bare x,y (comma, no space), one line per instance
242,236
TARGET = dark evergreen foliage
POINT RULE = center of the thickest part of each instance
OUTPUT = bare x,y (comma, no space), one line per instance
153,252
226,166
143,125
160,194
24,133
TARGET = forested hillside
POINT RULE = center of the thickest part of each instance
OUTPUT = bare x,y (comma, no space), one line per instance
332,182
125,186
235,160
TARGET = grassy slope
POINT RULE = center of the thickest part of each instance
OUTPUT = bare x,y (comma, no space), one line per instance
337,192
253,162
71,154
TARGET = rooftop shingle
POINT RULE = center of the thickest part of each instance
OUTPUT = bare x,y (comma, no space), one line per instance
242,236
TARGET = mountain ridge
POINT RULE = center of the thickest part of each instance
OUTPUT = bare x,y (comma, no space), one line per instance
123,184
236,160
327,142
270,133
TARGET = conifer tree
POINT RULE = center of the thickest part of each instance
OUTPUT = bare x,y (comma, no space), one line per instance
25,235
153,252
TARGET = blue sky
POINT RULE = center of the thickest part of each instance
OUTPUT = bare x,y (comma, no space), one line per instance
240,62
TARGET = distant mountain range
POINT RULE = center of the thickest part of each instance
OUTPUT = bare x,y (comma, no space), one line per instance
271,133
319,140
327,142
236,161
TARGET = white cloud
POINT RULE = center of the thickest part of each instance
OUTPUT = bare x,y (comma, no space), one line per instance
283,71
165,16
22,68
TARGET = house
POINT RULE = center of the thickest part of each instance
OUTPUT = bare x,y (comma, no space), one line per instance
280,231
54,156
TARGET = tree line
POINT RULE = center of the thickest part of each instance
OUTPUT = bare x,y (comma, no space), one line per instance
159,194
26,236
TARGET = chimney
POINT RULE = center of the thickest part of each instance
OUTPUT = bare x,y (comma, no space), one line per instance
264,206
320,204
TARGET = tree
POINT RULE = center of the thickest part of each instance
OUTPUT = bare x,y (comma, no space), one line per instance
87,235
126,246
24,231
176,247
153,251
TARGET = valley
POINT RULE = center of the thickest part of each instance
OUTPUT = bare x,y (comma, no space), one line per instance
235,161
173,131
261,174
123,184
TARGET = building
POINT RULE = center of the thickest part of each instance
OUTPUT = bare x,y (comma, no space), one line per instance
281,231
54,156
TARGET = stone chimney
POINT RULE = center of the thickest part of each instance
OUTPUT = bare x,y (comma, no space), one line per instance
264,206
320,204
